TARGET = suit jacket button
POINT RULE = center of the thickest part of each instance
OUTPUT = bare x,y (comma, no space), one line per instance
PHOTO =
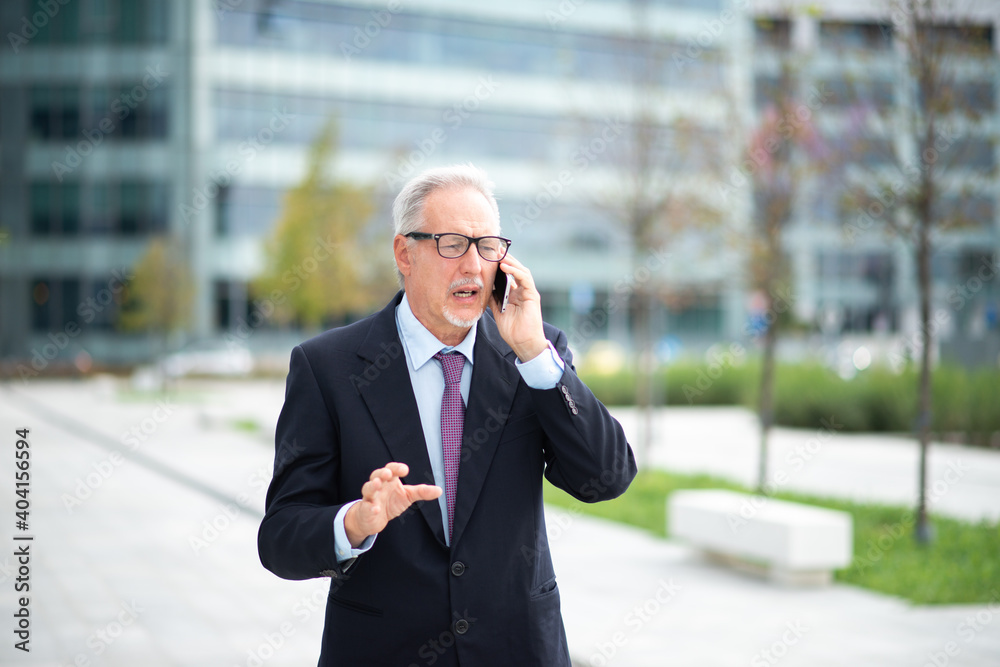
458,568
461,626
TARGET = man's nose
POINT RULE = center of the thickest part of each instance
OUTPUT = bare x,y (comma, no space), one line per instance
472,263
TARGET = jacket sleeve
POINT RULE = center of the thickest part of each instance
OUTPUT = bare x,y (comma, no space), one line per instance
587,454
296,538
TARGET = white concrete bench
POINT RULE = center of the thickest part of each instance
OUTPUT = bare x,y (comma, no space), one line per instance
789,543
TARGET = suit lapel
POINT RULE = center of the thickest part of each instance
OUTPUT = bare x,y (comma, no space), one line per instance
387,391
494,382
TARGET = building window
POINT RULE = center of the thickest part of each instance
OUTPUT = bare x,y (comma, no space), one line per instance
976,153
975,211
870,93
768,91
54,112
124,110
233,308
965,39
703,317
775,34
105,209
55,302
838,35
117,22
247,210
970,98
448,41
55,209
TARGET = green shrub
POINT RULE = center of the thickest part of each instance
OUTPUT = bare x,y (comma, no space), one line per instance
875,400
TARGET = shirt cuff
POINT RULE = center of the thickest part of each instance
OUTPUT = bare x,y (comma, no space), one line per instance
544,371
340,542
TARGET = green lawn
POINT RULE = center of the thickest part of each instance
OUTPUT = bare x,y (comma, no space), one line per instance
962,565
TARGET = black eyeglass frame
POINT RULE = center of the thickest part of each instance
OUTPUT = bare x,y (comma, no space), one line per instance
473,241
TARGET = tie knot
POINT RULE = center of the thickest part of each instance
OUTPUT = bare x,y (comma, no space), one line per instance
452,364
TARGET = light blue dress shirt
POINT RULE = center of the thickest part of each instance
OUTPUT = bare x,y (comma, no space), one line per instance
427,379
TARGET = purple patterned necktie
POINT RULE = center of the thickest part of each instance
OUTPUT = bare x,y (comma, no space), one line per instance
452,421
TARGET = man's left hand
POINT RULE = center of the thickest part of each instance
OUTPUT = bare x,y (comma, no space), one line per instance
521,324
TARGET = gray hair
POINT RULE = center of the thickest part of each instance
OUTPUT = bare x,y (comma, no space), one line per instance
408,208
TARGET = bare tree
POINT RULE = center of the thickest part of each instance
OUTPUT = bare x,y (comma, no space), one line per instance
784,151
931,139
653,197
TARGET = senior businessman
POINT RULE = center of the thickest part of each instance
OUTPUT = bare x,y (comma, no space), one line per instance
411,446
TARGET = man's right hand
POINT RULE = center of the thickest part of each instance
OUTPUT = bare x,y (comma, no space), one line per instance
383,498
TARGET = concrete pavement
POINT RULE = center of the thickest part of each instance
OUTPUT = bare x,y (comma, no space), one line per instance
145,511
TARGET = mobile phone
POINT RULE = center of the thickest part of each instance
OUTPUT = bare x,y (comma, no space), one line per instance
501,289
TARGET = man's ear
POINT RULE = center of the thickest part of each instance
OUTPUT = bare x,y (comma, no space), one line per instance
401,249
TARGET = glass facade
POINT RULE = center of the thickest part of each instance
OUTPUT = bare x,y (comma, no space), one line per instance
114,111
85,22
114,209
452,42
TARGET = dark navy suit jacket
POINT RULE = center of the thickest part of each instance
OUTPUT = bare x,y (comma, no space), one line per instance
489,599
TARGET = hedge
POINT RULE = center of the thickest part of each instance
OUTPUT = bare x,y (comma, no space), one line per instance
966,404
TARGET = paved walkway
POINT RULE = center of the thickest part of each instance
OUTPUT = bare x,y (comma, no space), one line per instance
962,481
140,559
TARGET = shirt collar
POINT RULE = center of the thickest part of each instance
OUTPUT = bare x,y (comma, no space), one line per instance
421,345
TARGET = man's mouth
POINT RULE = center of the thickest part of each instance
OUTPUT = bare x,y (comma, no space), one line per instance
466,290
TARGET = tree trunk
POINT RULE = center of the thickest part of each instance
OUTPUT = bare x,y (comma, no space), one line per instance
923,528
765,403
644,374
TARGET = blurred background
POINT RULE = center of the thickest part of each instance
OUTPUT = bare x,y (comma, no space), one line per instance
785,208
620,136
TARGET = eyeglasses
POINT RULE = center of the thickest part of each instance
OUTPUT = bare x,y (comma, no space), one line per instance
453,246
